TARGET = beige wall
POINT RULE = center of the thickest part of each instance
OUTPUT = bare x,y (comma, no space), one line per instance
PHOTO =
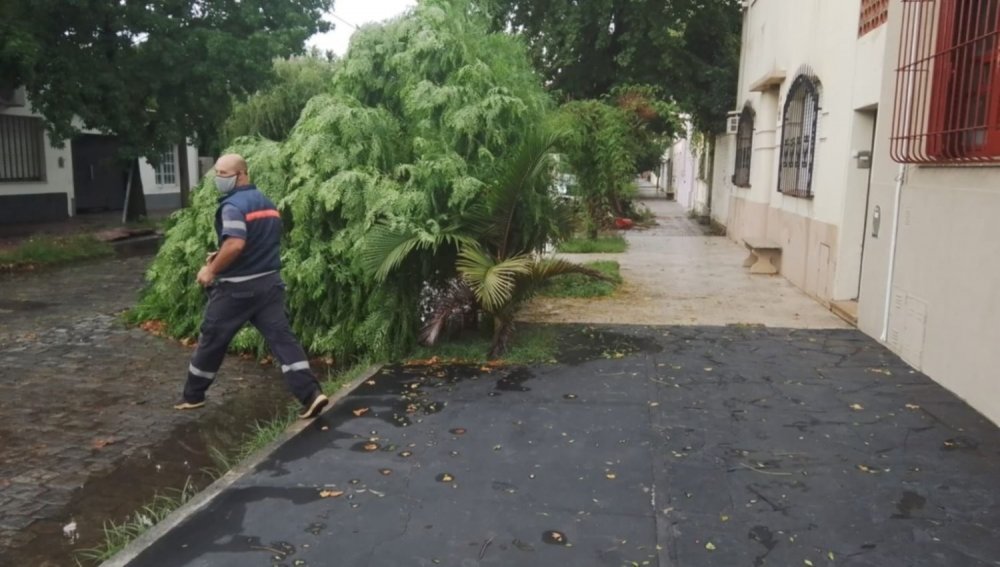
148,174
944,296
821,237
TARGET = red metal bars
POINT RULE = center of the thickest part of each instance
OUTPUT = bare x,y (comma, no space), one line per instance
947,107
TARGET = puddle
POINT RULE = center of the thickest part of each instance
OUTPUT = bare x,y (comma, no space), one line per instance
164,468
909,503
140,246
590,344
513,381
10,305
763,536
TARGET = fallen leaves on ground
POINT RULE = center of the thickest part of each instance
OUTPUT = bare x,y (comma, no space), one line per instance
857,407
360,412
330,493
432,361
102,443
154,327
710,546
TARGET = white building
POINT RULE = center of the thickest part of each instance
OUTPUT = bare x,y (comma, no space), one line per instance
867,148
42,182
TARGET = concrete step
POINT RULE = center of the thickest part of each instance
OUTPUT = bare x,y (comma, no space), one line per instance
846,310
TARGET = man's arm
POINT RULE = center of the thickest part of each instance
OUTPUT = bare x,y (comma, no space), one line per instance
234,234
230,251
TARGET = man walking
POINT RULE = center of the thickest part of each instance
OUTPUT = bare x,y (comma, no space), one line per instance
244,285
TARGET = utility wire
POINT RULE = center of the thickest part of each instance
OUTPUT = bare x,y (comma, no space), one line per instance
343,20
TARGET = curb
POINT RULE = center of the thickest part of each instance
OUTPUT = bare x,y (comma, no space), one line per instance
203,498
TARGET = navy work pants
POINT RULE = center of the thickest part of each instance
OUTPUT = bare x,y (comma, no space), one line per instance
261,302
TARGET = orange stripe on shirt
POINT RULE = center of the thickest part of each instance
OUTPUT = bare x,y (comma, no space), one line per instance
266,214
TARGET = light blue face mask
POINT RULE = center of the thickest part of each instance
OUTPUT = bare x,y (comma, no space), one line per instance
225,184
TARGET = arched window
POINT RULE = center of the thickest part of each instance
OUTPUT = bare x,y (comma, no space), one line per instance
744,148
798,138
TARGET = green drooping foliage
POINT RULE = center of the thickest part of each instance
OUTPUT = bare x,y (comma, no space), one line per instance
610,141
653,122
499,243
587,48
598,153
152,73
421,118
273,111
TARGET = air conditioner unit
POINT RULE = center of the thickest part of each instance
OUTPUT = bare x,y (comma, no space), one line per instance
733,122
11,96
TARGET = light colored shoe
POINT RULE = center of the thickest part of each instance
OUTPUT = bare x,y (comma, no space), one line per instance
317,405
189,405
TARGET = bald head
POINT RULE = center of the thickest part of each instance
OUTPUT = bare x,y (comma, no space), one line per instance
232,164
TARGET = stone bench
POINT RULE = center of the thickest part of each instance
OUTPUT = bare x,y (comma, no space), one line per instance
763,256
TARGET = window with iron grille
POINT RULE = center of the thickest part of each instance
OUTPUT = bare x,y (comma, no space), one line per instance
947,108
22,149
166,171
798,138
744,148
874,13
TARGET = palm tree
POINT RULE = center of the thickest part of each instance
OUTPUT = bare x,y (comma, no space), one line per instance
499,244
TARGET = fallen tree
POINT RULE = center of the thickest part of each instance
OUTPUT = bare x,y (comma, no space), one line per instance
423,115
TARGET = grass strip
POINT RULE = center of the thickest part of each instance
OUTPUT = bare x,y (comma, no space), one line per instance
52,250
601,245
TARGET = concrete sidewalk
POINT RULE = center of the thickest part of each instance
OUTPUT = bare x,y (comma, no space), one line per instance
680,446
674,274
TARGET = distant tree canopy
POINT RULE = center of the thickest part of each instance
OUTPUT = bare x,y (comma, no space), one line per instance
272,111
689,48
153,72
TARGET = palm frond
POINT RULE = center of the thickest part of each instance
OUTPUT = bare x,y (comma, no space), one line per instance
387,248
546,268
494,282
526,174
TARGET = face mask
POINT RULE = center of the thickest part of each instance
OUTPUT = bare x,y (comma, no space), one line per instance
225,184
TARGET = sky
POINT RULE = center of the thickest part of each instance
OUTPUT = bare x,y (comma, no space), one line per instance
358,13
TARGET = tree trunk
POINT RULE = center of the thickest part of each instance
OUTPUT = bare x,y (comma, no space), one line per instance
135,200
184,172
503,331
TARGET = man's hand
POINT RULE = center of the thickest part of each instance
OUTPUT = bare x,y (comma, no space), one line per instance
206,276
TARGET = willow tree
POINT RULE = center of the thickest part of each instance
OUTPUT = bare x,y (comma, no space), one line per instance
415,127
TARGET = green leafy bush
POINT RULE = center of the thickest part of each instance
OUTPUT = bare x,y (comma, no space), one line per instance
418,121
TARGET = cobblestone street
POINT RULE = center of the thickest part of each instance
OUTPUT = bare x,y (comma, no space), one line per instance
82,396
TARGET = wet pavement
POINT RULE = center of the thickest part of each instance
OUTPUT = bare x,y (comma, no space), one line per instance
668,446
86,429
